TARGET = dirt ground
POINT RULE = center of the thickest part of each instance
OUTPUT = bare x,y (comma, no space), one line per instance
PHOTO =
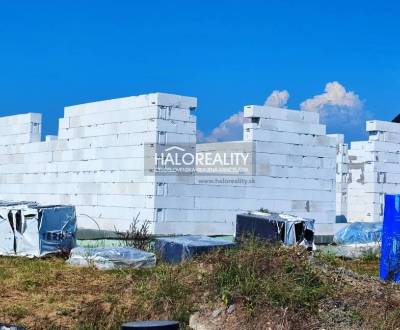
256,286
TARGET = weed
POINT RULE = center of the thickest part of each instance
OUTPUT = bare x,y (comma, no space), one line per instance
296,288
138,235
5,274
328,257
370,255
16,311
63,311
111,298
391,321
171,294
262,273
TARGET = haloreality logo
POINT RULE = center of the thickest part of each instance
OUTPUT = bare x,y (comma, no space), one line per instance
229,158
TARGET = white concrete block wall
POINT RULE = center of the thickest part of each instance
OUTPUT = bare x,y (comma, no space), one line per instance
20,129
373,171
342,177
97,160
295,173
306,152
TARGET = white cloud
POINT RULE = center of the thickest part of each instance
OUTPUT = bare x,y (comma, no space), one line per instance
277,99
335,95
341,110
231,129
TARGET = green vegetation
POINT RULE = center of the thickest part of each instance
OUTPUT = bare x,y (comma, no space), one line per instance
265,282
256,275
368,264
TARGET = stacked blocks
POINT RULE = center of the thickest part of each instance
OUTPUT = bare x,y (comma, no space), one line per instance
303,179
20,129
342,177
294,172
97,163
374,171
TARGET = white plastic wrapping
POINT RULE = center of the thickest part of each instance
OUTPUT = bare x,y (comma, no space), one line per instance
111,258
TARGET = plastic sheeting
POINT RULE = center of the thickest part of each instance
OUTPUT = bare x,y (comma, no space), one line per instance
288,229
111,258
33,230
359,233
4,326
179,248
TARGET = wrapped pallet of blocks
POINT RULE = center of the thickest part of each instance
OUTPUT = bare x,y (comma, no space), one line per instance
180,248
275,227
111,258
32,230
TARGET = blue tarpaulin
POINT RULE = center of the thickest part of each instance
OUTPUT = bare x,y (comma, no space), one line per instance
359,233
179,248
390,254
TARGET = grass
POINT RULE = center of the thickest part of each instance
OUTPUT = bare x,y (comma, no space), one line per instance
368,264
265,282
256,275
16,311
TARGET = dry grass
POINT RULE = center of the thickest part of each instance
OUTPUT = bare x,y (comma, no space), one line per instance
270,285
366,265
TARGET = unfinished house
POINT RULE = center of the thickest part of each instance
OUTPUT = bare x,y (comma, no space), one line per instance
97,163
374,170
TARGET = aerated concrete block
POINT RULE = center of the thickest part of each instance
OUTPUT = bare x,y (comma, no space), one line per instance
383,126
279,113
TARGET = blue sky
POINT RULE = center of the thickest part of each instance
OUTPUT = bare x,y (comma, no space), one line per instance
227,53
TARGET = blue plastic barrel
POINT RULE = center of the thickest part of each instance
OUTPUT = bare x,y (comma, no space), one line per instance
390,251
